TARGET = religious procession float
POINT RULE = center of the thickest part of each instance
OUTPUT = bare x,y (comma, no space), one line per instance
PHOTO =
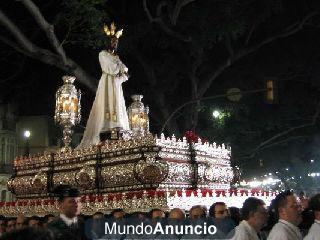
119,163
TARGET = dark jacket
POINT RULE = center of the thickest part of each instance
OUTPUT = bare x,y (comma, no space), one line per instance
62,231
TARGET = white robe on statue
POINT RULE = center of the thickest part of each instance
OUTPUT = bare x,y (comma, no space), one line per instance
109,108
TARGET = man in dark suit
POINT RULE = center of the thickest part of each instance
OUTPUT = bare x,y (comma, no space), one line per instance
67,226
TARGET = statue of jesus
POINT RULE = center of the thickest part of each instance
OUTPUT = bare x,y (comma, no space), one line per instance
109,109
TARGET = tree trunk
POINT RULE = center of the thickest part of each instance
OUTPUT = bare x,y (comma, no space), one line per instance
172,126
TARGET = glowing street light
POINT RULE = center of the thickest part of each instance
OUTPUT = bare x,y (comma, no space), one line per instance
216,114
27,134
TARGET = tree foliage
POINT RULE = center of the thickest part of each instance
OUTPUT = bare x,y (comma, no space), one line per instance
82,21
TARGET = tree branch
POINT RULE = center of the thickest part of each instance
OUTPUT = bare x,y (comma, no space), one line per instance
149,15
268,143
250,34
29,49
253,154
282,141
229,46
46,27
164,27
313,122
148,69
13,45
15,31
294,28
65,40
193,72
177,9
16,73
161,4
281,135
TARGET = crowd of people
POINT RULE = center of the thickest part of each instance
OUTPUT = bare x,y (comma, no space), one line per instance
287,218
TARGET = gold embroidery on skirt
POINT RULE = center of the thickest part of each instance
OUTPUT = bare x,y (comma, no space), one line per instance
114,117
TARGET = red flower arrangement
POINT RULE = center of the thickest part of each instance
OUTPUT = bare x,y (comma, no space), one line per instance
191,136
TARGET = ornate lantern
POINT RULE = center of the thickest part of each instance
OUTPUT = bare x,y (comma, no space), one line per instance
68,108
138,116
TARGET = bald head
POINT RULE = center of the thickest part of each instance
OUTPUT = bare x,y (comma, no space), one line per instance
21,222
177,214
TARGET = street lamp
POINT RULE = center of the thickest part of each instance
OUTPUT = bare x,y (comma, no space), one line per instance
27,135
216,114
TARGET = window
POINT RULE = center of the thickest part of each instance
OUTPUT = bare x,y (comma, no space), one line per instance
3,195
3,150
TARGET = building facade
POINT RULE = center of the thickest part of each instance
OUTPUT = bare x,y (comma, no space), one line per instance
8,148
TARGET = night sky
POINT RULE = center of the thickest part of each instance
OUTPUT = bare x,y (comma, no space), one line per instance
293,60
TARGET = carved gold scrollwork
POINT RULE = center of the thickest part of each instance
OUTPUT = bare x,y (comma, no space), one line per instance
150,170
10,185
39,182
85,178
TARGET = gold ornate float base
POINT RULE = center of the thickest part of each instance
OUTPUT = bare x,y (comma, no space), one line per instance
123,166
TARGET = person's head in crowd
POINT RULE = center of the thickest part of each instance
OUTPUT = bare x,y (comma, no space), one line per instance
48,219
118,214
157,213
21,222
304,201
3,224
177,214
34,222
28,234
254,211
98,215
234,213
314,205
69,201
139,215
82,218
11,224
302,195
219,210
197,212
287,207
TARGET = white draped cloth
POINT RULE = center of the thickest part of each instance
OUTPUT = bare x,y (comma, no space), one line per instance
109,108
